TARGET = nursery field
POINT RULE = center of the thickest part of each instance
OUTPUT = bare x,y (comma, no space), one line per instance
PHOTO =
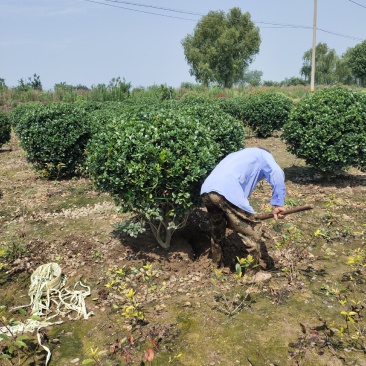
159,307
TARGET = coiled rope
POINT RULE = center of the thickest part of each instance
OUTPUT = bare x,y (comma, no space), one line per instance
47,289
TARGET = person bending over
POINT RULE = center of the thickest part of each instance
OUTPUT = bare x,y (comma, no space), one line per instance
225,194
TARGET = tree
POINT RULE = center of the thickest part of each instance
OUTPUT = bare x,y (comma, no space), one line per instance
325,64
221,47
271,83
344,72
356,61
2,83
293,81
34,83
252,77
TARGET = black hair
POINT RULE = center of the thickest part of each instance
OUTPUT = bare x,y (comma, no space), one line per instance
263,148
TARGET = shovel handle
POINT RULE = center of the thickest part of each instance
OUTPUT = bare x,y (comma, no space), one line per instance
287,212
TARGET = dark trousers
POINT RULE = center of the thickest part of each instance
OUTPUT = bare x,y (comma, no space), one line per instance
223,214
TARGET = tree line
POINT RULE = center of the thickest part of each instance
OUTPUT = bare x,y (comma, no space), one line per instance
223,46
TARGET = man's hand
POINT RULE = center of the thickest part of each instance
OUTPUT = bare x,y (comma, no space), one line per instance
277,212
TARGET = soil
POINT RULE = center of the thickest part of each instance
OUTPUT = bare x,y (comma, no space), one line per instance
191,313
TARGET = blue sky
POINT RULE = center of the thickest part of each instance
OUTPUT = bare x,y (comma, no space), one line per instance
86,42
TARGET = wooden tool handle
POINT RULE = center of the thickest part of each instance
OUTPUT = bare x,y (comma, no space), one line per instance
287,212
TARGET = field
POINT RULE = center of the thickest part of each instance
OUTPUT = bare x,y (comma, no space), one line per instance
310,311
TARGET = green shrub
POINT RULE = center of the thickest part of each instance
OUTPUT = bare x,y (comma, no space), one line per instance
226,130
192,98
54,136
153,163
16,115
236,106
328,129
5,128
107,112
266,112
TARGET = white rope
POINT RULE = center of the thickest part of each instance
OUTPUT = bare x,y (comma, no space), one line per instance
47,288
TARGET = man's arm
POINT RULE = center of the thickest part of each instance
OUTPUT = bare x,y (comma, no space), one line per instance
276,178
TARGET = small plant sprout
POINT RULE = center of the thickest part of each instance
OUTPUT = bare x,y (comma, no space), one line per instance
327,252
120,272
358,258
243,264
171,359
333,200
290,202
217,275
233,306
95,357
130,293
132,312
322,233
347,231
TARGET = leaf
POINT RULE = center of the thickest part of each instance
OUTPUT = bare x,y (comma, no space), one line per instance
4,336
22,312
130,293
4,356
16,322
20,344
303,329
123,341
149,354
87,361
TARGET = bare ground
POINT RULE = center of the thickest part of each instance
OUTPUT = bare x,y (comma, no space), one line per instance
193,314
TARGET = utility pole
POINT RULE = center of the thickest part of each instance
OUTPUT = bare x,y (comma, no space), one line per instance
312,82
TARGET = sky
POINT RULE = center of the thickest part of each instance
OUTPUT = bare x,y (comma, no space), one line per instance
89,42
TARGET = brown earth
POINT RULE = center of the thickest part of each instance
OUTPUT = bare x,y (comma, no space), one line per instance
194,314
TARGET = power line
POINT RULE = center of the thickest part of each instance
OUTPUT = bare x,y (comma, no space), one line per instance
362,6
139,11
281,25
155,7
272,25
340,35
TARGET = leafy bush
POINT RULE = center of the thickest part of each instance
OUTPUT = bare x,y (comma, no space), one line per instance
266,112
153,162
226,130
105,114
192,98
236,107
16,115
5,128
54,136
328,129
